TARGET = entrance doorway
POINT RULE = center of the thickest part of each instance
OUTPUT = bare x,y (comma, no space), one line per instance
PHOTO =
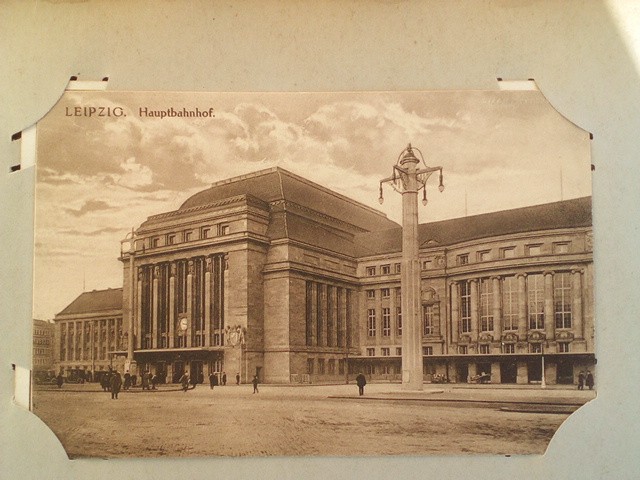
565,371
509,371
534,370
196,371
178,371
462,372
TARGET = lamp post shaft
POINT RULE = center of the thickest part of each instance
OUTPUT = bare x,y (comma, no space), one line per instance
410,280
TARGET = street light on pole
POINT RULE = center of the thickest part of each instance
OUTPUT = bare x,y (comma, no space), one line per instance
407,179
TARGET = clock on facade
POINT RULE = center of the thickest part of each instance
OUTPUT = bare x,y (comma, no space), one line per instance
183,323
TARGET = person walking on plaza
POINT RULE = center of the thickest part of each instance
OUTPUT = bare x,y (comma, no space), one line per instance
154,381
212,380
361,381
145,380
59,380
115,383
255,383
589,380
184,380
127,381
581,381
224,378
237,379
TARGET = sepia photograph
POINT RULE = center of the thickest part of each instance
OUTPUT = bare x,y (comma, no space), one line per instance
324,274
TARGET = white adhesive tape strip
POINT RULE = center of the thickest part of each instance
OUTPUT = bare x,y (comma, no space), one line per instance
22,386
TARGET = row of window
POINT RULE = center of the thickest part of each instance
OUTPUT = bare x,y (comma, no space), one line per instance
322,367
534,296
485,349
532,250
385,269
430,324
173,238
41,351
42,333
41,341
386,351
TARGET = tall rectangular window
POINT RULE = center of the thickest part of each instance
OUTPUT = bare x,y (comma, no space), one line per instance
535,297
510,303
386,352
486,305
427,320
385,269
370,271
385,292
386,322
399,321
371,322
397,267
320,304
465,307
371,294
562,299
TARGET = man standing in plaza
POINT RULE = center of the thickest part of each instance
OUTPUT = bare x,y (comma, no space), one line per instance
115,383
361,381
255,383
237,378
224,378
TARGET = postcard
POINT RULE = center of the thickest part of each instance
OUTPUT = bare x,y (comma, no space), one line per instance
327,274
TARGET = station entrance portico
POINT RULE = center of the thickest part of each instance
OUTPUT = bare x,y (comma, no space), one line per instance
170,364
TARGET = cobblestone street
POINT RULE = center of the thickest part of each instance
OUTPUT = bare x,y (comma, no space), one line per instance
312,420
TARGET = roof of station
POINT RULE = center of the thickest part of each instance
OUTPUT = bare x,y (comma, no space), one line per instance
550,216
95,301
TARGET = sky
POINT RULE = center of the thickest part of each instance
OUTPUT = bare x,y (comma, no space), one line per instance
100,176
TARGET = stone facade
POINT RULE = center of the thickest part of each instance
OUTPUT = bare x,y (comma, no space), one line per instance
89,336
43,337
269,274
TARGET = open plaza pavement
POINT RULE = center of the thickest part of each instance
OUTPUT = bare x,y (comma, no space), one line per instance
324,420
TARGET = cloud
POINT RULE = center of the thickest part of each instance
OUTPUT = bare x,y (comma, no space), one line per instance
88,207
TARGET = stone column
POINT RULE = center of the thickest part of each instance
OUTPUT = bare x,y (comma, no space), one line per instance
522,306
455,312
172,305
107,340
549,317
392,311
576,304
473,284
496,374
138,332
523,373
81,339
207,302
497,314
314,314
189,302
154,315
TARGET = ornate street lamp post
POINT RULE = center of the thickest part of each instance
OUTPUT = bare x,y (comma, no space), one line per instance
130,242
408,180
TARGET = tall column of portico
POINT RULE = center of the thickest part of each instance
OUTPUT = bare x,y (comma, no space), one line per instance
497,314
549,317
522,306
154,314
576,303
392,311
189,301
138,332
172,304
455,312
314,314
473,284
378,306
107,339
207,302
81,339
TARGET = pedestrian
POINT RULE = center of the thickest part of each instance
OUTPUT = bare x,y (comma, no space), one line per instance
255,384
224,378
194,379
237,378
134,380
184,380
59,380
105,382
154,381
212,379
115,384
127,381
581,381
361,381
589,380
145,380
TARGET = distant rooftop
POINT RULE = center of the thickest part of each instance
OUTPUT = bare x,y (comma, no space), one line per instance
564,214
95,301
